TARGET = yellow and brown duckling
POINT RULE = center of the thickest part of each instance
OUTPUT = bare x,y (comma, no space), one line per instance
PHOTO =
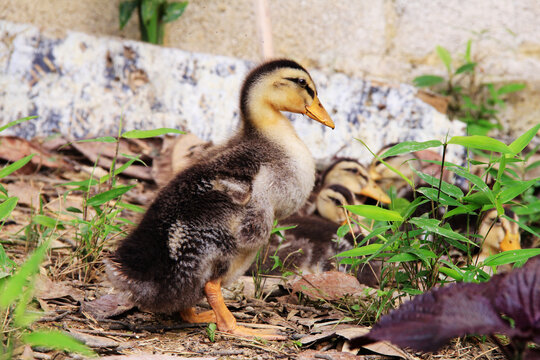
204,228
355,177
498,234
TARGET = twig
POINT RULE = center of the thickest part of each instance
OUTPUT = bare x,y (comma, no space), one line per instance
108,333
265,28
55,318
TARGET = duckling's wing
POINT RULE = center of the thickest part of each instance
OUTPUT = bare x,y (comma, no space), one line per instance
239,190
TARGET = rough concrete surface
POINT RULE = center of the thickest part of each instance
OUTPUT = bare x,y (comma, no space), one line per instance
387,39
81,86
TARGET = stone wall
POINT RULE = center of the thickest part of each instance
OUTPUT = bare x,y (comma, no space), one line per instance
392,40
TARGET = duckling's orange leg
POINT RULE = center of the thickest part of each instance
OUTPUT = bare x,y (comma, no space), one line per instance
191,316
225,319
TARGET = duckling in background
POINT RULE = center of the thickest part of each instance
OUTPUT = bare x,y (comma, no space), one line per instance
386,178
204,228
350,174
330,202
309,248
497,235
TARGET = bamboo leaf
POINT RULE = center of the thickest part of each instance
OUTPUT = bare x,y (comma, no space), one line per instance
173,11
510,191
17,122
510,88
15,166
361,251
427,80
142,134
52,339
125,11
105,139
432,225
481,142
511,256
374,212
447,188
468,67
410,146
521,142
7,207
445,56
103,197
148,10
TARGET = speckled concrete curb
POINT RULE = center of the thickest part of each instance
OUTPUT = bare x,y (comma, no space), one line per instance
84,86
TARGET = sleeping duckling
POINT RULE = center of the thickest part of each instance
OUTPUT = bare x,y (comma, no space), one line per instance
309,248
497,235
353,176
204,228
330,201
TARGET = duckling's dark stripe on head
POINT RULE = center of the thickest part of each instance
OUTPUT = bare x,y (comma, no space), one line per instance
509,213
343,191
259,71
309,90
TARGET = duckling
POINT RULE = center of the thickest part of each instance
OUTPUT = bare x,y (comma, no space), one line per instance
204,228
497,235
330,201
353,176
386,178
309,248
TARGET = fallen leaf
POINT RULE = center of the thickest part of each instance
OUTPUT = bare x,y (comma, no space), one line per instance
153,357
96,342
47,289
107,306
14,148
332,354
28,195
330,285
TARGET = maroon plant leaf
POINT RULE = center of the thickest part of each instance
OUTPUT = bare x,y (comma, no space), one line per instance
432,319
518,297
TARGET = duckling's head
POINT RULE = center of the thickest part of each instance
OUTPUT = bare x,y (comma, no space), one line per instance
499,234
353,176
330,202
280,85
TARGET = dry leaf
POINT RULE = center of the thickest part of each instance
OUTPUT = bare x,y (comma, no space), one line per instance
107,306
96,342
47,289
330,285
332,354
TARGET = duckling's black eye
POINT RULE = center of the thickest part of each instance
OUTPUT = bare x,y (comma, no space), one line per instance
352,170
302,82
335,201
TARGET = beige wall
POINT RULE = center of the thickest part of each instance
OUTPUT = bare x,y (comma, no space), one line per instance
385,39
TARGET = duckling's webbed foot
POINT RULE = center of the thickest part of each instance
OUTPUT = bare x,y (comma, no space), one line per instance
191,316
225,319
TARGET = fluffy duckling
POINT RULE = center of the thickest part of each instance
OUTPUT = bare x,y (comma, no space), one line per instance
497,235
386,178
330,201
353,176
310,247
204,228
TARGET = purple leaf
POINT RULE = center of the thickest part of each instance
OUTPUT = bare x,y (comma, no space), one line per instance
430,320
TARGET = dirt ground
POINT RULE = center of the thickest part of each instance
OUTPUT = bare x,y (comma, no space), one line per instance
67,289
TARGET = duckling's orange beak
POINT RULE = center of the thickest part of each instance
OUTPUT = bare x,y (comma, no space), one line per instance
511,242
374,191
317,112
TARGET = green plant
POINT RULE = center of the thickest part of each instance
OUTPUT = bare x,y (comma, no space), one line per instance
211,331
415,239
472,101
153,15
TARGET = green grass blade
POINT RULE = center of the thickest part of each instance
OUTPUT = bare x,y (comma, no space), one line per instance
481,142
57,340
142,134
476,181
47,221
104,139
522,225
510,88
7,207
374,212
410,146
510,191
125,10
15,166
432,225
17,122
103,197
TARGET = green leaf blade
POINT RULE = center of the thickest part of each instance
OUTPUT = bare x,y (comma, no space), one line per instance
410,146
125,11
108,195
7,207
521,142
481,142
57,340
11,168
427,80
446,58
